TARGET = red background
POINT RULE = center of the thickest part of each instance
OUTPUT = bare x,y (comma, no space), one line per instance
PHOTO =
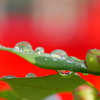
21,29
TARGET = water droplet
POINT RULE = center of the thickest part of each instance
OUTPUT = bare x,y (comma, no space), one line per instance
65,74
24,46
8,77
39,50
85,74
69,60
29,75
60,54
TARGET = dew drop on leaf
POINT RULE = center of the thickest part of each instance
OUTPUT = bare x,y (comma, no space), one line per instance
8,77
69,60
24,46
65,73
29,75
39,50
60,54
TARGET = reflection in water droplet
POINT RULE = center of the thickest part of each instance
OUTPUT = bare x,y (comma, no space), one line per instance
60,54
85,74
29,75
8,77
24,46
39,50
65,74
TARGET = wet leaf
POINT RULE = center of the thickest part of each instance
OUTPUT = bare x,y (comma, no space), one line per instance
44,60
38,88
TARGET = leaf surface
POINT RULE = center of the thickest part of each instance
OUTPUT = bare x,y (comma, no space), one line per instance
48,62
38,88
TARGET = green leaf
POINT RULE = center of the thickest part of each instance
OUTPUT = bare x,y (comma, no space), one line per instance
38,88
9,95
48,62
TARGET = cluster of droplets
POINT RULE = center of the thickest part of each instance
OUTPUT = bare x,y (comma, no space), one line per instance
27,48
29,75
56,54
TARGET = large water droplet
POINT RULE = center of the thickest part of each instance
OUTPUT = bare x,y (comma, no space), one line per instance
24,46
9,77
29,75
60,54
65,74
39,50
